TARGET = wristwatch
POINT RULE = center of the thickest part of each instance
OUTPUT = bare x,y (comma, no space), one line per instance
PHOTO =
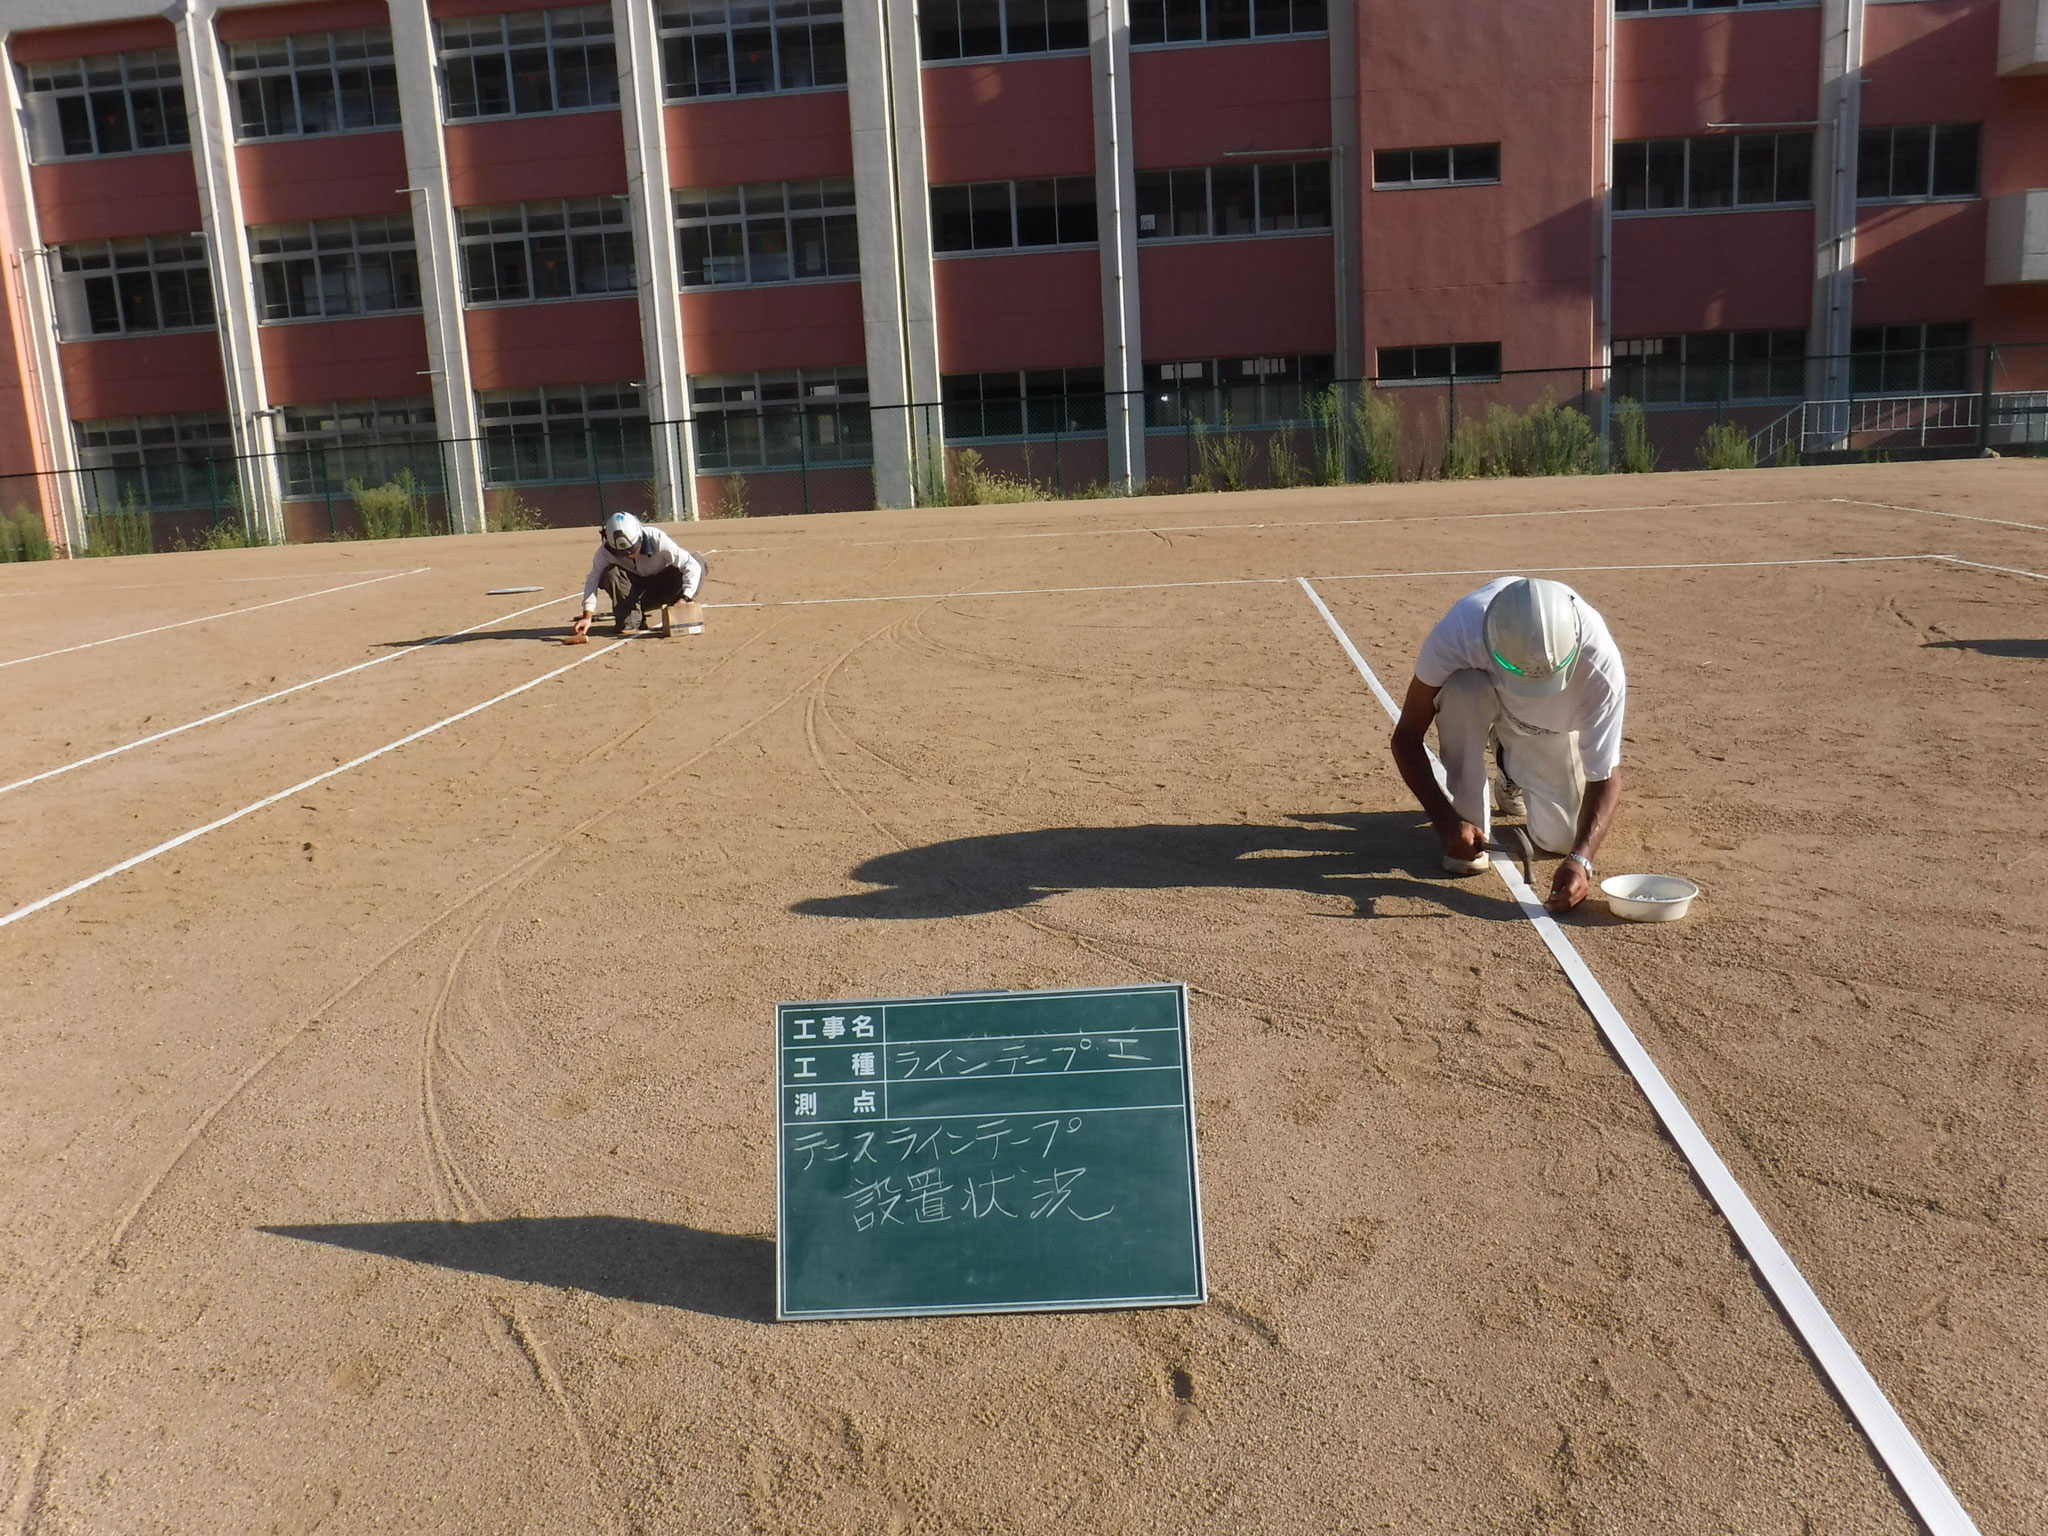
1583,862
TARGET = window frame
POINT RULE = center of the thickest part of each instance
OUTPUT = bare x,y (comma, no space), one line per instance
1167,10
555,46
563,410
833,213
1173,180
1382,379
834,418
66,278
1029,404
196,430
809,16
1451,178
1004,29
369,63
46,126
321,255
1934,132
1925,350
1630,354
338,444
1172,404
1690,174
1693,7
614,231
981,197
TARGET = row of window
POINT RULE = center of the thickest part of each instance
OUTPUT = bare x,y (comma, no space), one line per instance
1220,201
1754,170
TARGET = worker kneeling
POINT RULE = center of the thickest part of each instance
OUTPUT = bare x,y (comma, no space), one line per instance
1527,666
640,569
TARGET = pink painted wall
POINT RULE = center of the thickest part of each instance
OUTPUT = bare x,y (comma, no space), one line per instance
1017,118
377,356
1237,298
585,341
285,180
800,325
1192,105
439,8
80,42
1676,72
1713,272
251,22
144,375
513,159
759,138
1920,261
1930,62
1038,310
155,193
1514,262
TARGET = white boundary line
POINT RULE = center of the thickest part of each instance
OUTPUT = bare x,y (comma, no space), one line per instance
1268,581
1961,517
1978,565
282,693
227,613
195,581
1919,1480
299,788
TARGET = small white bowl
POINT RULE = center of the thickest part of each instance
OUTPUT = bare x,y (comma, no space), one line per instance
1648,898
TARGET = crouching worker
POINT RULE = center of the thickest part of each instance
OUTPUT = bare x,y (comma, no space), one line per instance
640,569
1528,667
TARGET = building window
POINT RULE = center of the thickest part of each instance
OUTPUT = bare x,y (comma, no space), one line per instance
1710,366
1223,21
156,462
336,267
325,446
1239,391
711,49
1228,200
781,420
1439,365
529,62
1436,167
122,287
767,232
321,82
1003,215
1910,359
573,433
979,29
1914,164
109,105
526,253
1037,402
1640,7
1748,170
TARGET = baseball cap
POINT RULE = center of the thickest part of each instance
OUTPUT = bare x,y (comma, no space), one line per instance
1532,631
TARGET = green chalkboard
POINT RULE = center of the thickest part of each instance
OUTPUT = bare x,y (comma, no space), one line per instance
986,1152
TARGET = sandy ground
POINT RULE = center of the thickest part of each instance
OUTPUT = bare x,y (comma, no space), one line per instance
399,1157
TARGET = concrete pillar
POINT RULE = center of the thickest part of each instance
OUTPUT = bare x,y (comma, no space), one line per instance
1834,209
892,200
666,388
440,260
27,268
227,250
1116,222
1347,192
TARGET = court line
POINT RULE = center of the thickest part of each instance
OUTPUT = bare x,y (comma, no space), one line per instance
227,613
1268,581
299,788
1979,565
311,682
1961,517
196,581
1911,1469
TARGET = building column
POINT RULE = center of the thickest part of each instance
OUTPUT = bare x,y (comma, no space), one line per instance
1834,207
892,201
227,250
1603,257
1348,180
440,260
666,388
1116,223
27,266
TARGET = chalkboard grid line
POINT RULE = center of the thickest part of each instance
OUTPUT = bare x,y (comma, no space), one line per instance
1916,1476
1019,1114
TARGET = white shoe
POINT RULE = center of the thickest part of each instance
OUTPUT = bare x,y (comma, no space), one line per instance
1507,796
1478,866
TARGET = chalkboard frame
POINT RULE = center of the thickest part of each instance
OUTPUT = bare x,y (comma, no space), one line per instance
1197,1297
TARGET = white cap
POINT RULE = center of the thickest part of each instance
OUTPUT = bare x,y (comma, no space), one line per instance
1532,629
621,532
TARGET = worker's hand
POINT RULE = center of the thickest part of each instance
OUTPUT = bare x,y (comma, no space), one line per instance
582,624
1464,841
1568,887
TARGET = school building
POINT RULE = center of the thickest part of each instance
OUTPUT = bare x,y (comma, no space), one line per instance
254,250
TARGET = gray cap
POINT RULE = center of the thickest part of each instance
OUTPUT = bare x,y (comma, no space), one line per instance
1532,630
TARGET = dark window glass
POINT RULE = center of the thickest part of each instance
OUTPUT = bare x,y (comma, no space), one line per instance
1234,200
1956,159
1154,204
1066,24
1874,163
1430,164
1148,21
1390,167
991,215
1912,161
1664,176
1190,202
1631,177
1229,19
1076,210
952,219
1710,182
1476,162
1795,167
1037,214
981,28
1756,168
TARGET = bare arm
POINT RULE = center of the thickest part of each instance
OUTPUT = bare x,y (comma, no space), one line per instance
1411,756
1571,886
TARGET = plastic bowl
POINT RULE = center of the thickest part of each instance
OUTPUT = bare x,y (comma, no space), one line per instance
1648,898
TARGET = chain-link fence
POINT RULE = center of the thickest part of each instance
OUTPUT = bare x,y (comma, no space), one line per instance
1645,413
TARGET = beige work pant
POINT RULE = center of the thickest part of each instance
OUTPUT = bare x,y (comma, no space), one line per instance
1545,764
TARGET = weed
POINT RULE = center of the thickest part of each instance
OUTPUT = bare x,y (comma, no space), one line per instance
1225,458
1328,431
1637,456
969,485
1287,470
124,531
1377,421
1726,445
23,536
511,513
397,509
732,496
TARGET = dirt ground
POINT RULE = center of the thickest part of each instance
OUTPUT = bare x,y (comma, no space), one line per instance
399,1156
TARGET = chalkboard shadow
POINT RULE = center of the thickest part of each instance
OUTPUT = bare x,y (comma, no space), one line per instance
550,632
2019,650
717,1273
1361,857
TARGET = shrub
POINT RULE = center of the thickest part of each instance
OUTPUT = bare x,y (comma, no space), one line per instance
1788,455
970,485
1328,432
23,536
1224,457
732,496
1561,440
512,513
124,531
1551,439
1284,464
1726,445
1637,456
1377,420
397,509
226,534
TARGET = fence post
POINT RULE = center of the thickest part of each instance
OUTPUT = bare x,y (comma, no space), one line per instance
1984,399
327,493
803,452
1450,420
1187,444
596,474
1057,481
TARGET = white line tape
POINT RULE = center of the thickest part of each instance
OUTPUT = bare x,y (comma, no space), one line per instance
228,613
299,788
1923,1485
196,581
311,682
1979,565
1961,517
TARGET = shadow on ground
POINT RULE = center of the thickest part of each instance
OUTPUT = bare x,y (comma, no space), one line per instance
1361,857
553,632
716,1273
2026,650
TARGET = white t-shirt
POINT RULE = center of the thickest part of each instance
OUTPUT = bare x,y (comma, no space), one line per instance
656,551
1591,703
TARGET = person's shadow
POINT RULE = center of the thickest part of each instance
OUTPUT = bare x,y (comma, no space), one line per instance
1362,857
717,1273
2016,650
